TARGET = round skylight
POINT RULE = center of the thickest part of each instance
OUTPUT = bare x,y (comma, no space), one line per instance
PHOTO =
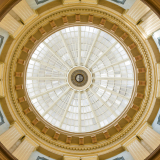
80,79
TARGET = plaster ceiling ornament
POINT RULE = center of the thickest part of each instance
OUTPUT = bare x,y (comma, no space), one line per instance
80,79
32,121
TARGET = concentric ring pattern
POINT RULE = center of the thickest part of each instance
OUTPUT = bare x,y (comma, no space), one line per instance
73,110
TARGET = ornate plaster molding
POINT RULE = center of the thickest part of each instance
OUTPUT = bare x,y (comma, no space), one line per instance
60,147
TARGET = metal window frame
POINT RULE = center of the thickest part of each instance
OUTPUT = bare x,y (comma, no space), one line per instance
41,158
158,40
2,38
158,122
1,117
121,158
118,1
39,2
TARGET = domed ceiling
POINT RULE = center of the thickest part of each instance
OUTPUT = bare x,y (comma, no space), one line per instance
89,90
80,79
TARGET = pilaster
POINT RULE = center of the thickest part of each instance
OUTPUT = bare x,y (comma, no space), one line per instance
149,24
136,149
151,137
24,11
11,136
136,12
25,149
12,26
90,158
71,158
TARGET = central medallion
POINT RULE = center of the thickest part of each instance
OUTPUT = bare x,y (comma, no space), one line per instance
79,78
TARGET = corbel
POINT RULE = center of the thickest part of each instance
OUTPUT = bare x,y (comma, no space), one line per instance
81,140
124,36
142,83
78,17
68,140
94,139
106,134
33,39
56,136
19,87
52,23
22,99
18,74
21,61
26,111
103,21
42,30
25,49
35,121
140,95
132,46
118,127
90,18
141,70
45,129
128,118
65,19
135,107
114,28
138,58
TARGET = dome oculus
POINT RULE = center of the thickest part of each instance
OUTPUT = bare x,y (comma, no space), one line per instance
80,79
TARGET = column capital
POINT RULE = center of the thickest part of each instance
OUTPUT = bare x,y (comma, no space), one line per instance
15,124
131,140
33,143
24,11
12,135
67,157
136,149
158,71
90,158
71,158
143,128
25,149
136,12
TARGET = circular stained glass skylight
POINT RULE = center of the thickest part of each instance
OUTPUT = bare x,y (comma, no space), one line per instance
80,79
